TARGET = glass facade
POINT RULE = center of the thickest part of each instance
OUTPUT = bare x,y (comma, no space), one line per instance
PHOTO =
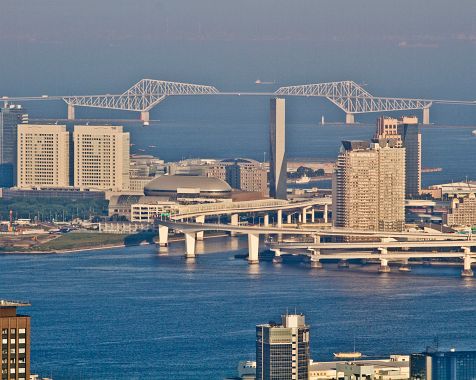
282,351
452,365
10,117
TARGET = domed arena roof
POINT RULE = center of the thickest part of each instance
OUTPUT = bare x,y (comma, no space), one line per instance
170,184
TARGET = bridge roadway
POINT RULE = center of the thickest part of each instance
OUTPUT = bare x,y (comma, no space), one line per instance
191,231
229,208
377,245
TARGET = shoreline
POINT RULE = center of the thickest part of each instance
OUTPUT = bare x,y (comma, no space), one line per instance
102,247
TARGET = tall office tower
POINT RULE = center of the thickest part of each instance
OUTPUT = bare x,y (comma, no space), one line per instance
101,157
410,131
369,186
15,341
387,128
10,117
282,351
43,156
450,365
277,149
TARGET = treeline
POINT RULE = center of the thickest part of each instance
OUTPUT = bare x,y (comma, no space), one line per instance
305,171
58,208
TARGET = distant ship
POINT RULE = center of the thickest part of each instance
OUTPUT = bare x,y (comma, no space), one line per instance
303,179
474,132
347,355
259,81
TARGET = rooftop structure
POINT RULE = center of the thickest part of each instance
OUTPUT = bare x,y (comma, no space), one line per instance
188,186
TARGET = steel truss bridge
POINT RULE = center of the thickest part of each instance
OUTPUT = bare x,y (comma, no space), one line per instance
349,96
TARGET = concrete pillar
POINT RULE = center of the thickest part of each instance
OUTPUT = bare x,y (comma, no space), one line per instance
326,212
467,261
349,118
277,252
289,218
280,218
317,239
163,236
277,149
189,245
253,248
313,216
384,267
71,115
299,217
145,116
426,115
233,222
200,219
266,220
304,216
315,256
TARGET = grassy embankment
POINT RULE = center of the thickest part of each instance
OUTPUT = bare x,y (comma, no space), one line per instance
84,240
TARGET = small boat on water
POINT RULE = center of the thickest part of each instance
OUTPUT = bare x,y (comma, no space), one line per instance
474,132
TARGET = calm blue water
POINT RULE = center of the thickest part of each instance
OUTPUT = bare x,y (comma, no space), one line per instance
130,314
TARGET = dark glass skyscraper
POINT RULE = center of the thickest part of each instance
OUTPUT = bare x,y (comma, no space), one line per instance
282,351
10,117
410,133
451,365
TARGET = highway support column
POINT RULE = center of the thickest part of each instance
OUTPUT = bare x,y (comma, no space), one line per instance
190,245
253,248
200,219
467,261
163,236
280,219
384,267
315,256
426,115
233,222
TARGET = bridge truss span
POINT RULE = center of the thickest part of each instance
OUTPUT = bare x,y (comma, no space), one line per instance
353,98
141,97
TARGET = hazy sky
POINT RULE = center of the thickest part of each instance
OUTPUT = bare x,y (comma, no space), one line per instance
413,21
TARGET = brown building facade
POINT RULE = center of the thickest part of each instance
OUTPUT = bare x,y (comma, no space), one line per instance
15,331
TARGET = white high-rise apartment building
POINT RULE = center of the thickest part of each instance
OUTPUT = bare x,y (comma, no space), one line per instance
369,186
42,156
101,157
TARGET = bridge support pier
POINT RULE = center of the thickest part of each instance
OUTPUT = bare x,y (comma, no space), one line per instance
189,245
163,236
315,256
313,215
349,118
253,248
233,222
467,261
71,113
280,219
200,219
289,218
384,267
426,115
145,116
304,216
326,212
